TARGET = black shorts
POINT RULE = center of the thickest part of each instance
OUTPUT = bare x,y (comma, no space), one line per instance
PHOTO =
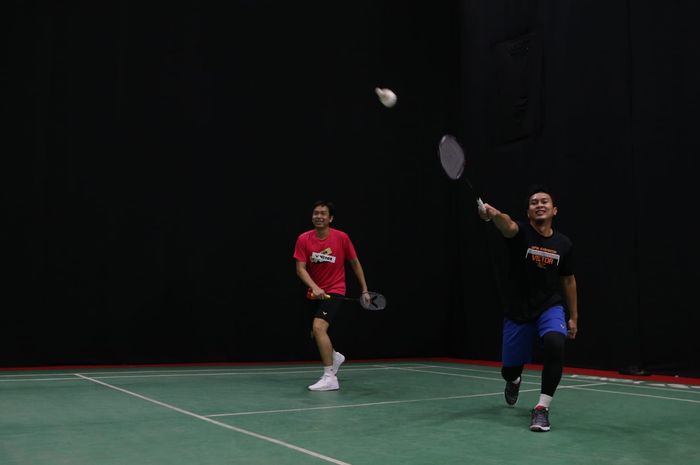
325,309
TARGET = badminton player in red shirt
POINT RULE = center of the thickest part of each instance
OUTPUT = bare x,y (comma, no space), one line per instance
320,256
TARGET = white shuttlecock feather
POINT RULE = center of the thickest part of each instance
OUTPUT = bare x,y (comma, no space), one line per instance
386,96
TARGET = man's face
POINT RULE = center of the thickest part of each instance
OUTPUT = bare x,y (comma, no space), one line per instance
541,208
321,217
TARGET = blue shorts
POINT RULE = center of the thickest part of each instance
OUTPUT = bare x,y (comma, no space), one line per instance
518,338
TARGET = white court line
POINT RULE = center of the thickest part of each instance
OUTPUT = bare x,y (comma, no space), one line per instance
234,373
367,404
117,370
372,404
497,370
191,374
125,372
295,370
34,375
242,370
460,368
575,386
217,423
638,386
610,380
500,380
632,394
30,380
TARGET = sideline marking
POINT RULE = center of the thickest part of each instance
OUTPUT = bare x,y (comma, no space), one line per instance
217,423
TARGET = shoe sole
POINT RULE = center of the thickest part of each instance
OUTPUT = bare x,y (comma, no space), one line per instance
323,390
539,429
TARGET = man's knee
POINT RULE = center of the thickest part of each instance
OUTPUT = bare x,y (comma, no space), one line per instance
553,345
319,327
511,373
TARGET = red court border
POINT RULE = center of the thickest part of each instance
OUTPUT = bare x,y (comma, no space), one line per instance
567,370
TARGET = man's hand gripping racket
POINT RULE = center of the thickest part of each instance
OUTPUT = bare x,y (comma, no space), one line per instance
453,162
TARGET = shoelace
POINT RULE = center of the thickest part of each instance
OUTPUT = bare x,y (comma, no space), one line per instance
540,415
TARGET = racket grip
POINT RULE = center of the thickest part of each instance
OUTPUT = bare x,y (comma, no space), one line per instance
482,208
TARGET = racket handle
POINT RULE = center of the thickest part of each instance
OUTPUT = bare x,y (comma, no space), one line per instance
482,208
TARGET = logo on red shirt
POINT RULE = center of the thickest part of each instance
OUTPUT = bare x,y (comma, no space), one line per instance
323,256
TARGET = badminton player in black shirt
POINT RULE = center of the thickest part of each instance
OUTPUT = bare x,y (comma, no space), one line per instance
542,296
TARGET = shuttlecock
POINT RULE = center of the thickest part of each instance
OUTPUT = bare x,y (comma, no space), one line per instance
386,96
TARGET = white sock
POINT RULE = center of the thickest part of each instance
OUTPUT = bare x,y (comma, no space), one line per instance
517,380
328,371
545,400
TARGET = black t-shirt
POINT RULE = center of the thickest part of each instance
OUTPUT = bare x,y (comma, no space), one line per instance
536,266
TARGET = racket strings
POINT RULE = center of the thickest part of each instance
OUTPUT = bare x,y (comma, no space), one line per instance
376,302
451,157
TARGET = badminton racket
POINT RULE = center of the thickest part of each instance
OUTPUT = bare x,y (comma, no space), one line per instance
454,162
376,300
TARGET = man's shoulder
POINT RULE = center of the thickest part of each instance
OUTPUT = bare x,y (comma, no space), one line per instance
339,233
523,228
305,234
563,237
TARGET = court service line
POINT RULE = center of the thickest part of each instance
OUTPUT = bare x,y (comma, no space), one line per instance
524,374
672,387
236,370
118,371
366,404
190,373
460,368
528,375
217,423
457,374
160,372
609,380
373,404
232,373
583,388
34,380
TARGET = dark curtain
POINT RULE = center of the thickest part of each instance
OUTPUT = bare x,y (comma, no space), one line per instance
160,160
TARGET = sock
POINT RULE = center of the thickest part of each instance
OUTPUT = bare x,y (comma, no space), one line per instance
545,400
328,371
517,380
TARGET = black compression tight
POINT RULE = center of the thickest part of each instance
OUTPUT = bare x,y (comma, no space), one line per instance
553,358
510,374
553,354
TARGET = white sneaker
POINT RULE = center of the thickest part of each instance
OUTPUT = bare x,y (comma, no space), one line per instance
338,360
326,383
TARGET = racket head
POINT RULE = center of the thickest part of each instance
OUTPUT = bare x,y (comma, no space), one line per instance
451,157
376,302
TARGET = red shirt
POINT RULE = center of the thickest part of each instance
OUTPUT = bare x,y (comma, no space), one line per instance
325,258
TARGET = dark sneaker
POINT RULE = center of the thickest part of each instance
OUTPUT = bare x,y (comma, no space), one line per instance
511,392
539,420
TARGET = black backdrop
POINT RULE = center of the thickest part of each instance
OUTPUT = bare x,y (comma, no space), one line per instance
160,161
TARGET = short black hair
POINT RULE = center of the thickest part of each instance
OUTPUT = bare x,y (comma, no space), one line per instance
536,188
325,203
